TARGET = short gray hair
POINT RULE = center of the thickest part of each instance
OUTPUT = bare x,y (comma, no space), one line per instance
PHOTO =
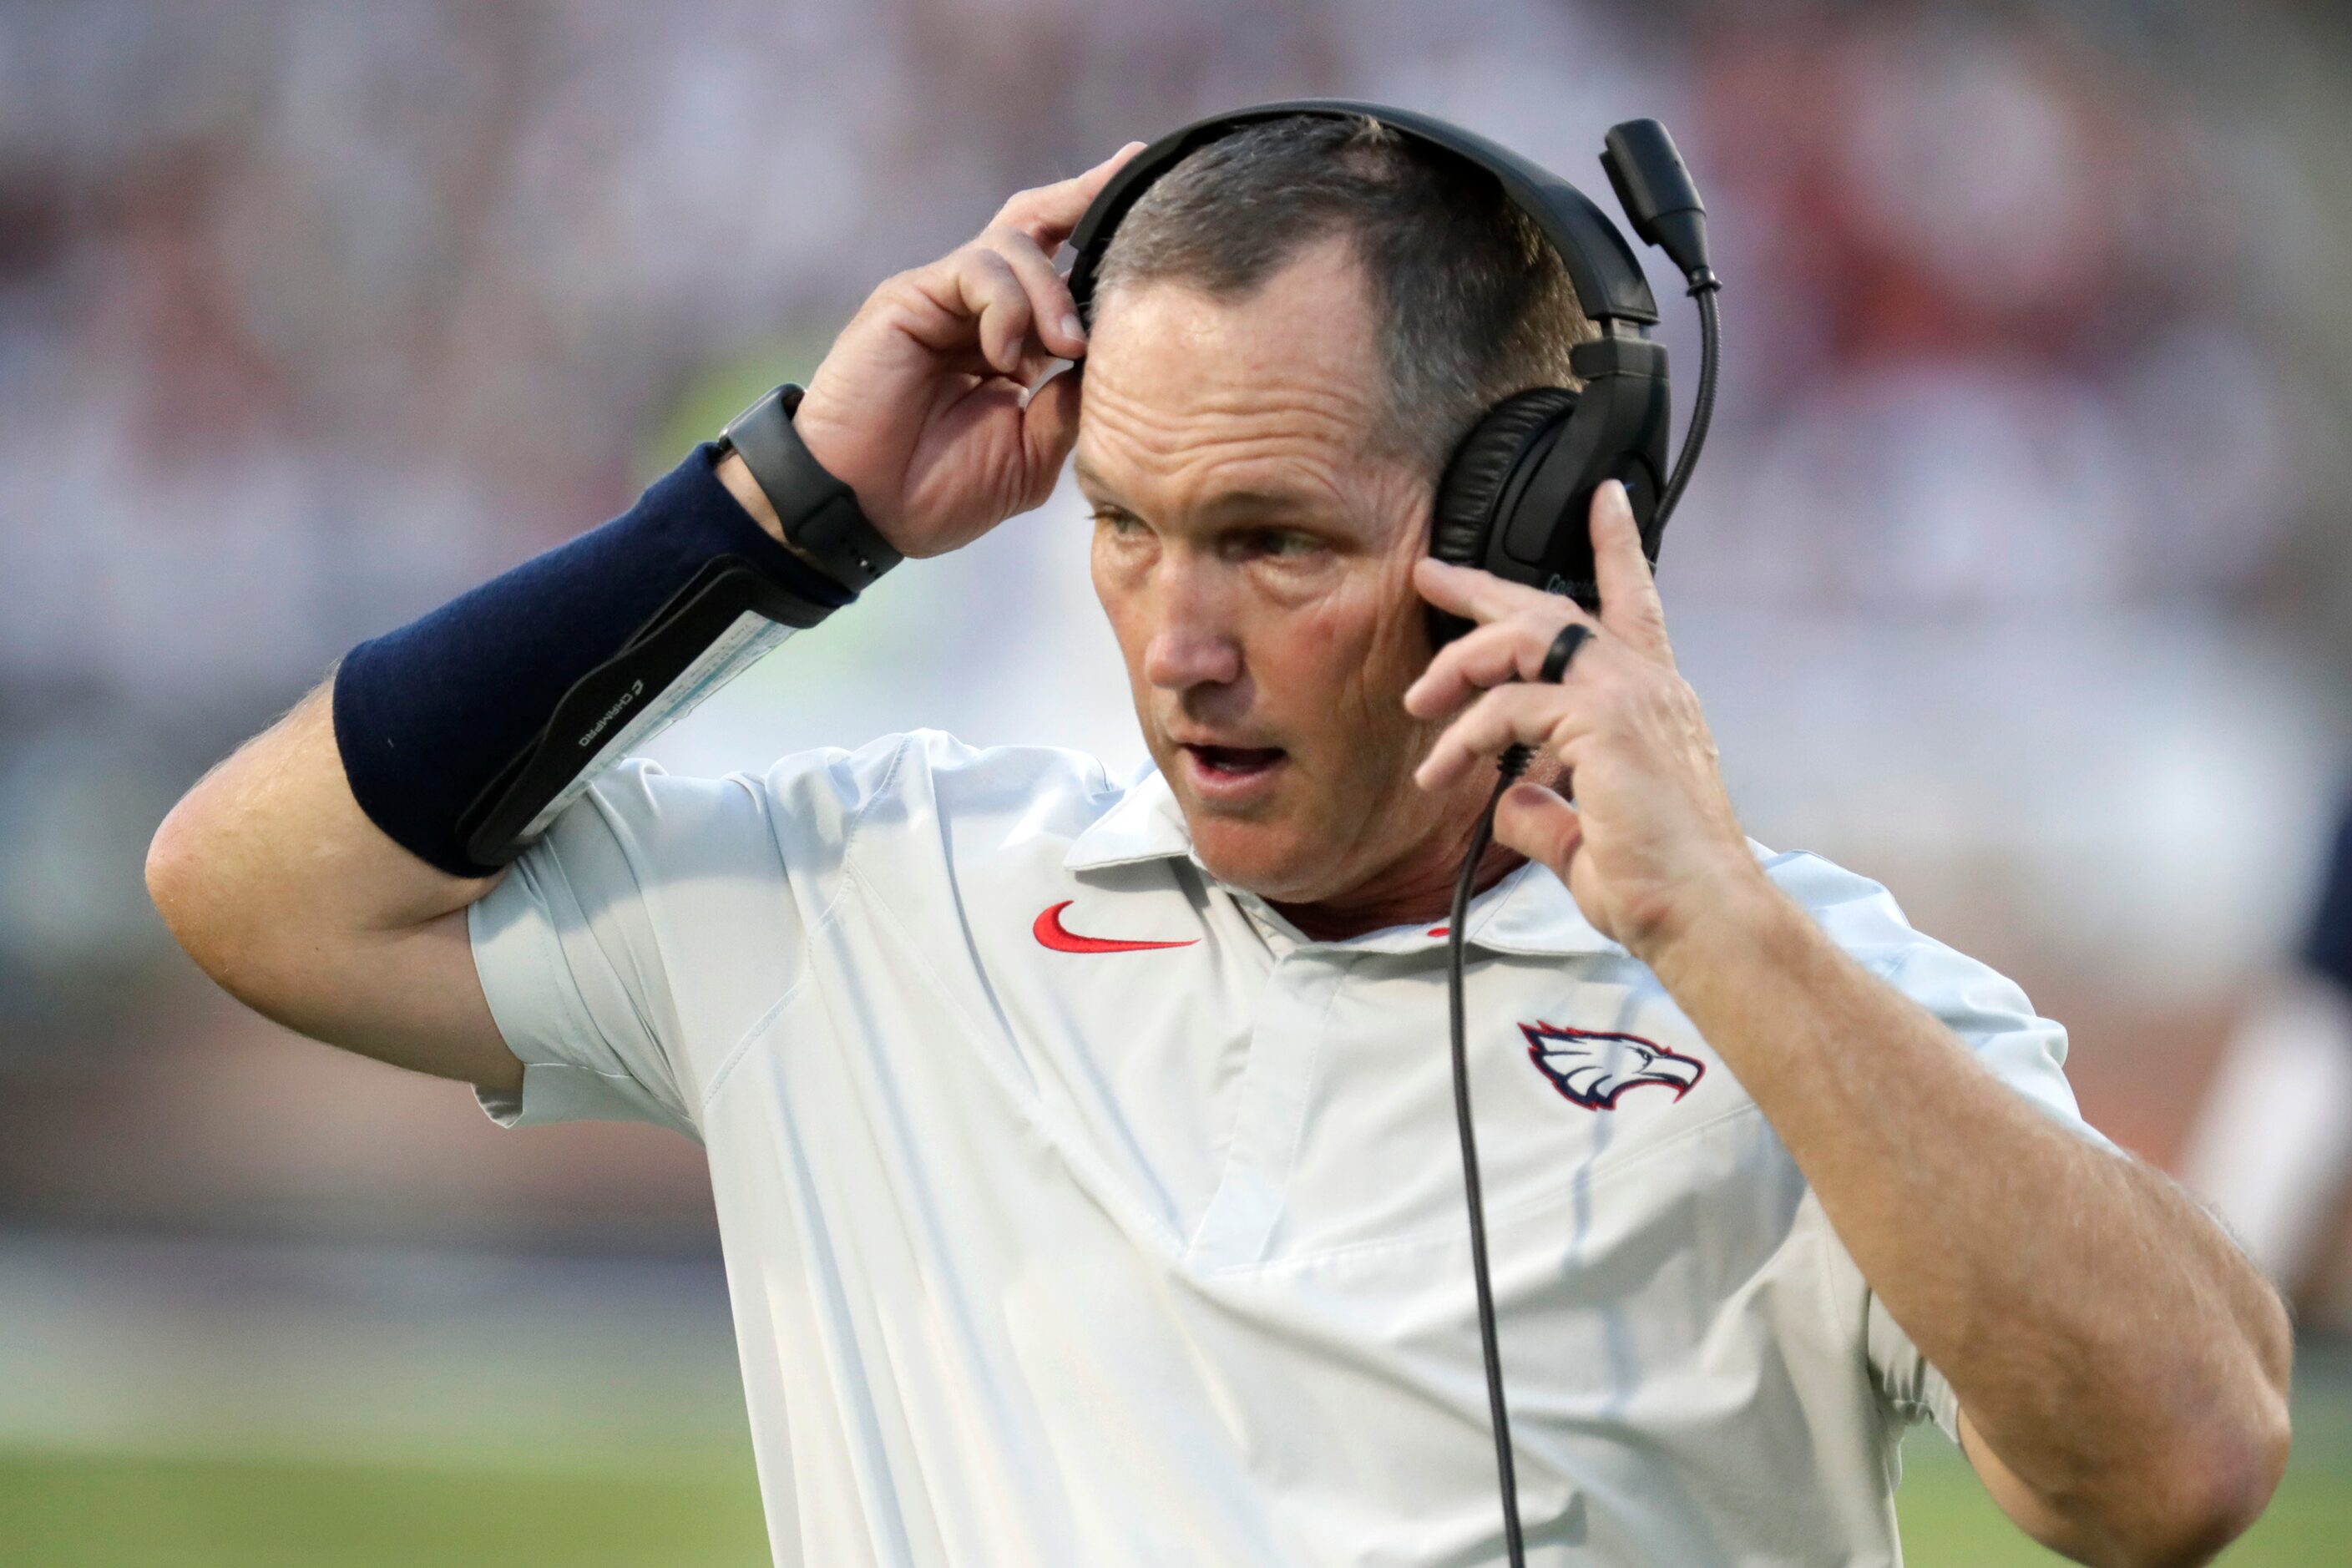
1473,302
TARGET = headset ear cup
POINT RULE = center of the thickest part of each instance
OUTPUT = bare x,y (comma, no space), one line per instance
1470,492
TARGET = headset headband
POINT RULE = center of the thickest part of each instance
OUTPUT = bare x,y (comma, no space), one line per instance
1608,281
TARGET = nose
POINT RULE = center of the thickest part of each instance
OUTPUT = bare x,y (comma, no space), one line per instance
1181,658
1194,644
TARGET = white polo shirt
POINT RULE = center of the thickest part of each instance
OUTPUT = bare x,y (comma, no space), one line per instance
1077,1210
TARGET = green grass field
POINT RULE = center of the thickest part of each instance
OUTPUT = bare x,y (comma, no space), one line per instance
81,1512
68,1513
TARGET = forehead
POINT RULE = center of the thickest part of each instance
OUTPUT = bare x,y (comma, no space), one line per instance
1182,388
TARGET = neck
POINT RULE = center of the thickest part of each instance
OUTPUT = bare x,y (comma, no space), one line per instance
1414,892
1426,899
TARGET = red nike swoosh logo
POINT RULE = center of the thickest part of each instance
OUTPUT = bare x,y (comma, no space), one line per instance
1051,932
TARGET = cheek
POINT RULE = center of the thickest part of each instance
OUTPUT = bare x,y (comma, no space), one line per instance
1384,627
1355,643
1403,635
1118,590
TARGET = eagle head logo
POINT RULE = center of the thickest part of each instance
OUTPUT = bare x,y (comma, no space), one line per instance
1594,1068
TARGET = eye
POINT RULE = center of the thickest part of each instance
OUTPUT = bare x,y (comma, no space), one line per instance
1121,522
1278,543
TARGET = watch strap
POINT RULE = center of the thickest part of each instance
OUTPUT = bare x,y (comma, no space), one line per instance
820,514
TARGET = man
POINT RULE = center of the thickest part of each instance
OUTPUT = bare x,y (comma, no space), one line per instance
1082,1153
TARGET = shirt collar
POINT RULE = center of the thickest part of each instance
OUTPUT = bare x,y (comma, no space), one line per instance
1146,825
1530,911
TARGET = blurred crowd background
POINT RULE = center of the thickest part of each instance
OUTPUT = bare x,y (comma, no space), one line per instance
2016,577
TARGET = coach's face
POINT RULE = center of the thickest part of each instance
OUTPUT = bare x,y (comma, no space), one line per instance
1253,546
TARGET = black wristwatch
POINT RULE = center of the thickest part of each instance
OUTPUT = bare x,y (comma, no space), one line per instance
820,514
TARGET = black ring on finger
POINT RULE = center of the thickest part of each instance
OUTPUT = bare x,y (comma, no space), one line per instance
1563,648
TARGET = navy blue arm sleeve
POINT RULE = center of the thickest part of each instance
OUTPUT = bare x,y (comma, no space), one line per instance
434,720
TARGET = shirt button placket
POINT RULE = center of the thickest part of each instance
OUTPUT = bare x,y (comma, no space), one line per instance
1292,1015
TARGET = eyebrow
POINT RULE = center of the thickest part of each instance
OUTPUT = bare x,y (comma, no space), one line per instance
1087,476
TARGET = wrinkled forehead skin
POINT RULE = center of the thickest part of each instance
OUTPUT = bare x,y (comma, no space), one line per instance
1277,395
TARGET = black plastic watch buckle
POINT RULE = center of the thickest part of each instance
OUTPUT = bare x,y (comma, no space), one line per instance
820,514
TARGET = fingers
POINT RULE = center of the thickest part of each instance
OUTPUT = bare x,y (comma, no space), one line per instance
1048,212
1501,650
1055,314
1480,595
1629,591
1524,715
1001,291
1049,427
988,293
1629,595
1539,824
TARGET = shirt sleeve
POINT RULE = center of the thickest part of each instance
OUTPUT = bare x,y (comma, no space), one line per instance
659,920
572,974
1987,1013
1910,1390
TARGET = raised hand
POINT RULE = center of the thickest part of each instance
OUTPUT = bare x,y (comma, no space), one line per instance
930,404
1651,845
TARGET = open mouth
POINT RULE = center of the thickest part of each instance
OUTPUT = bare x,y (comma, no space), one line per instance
1236,762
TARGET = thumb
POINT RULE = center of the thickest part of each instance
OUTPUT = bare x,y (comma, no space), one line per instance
1049,428
1539,824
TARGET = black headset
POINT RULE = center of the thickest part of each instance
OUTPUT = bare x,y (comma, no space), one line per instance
1515,497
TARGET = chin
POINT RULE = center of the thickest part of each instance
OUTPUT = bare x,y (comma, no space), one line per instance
1265,857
